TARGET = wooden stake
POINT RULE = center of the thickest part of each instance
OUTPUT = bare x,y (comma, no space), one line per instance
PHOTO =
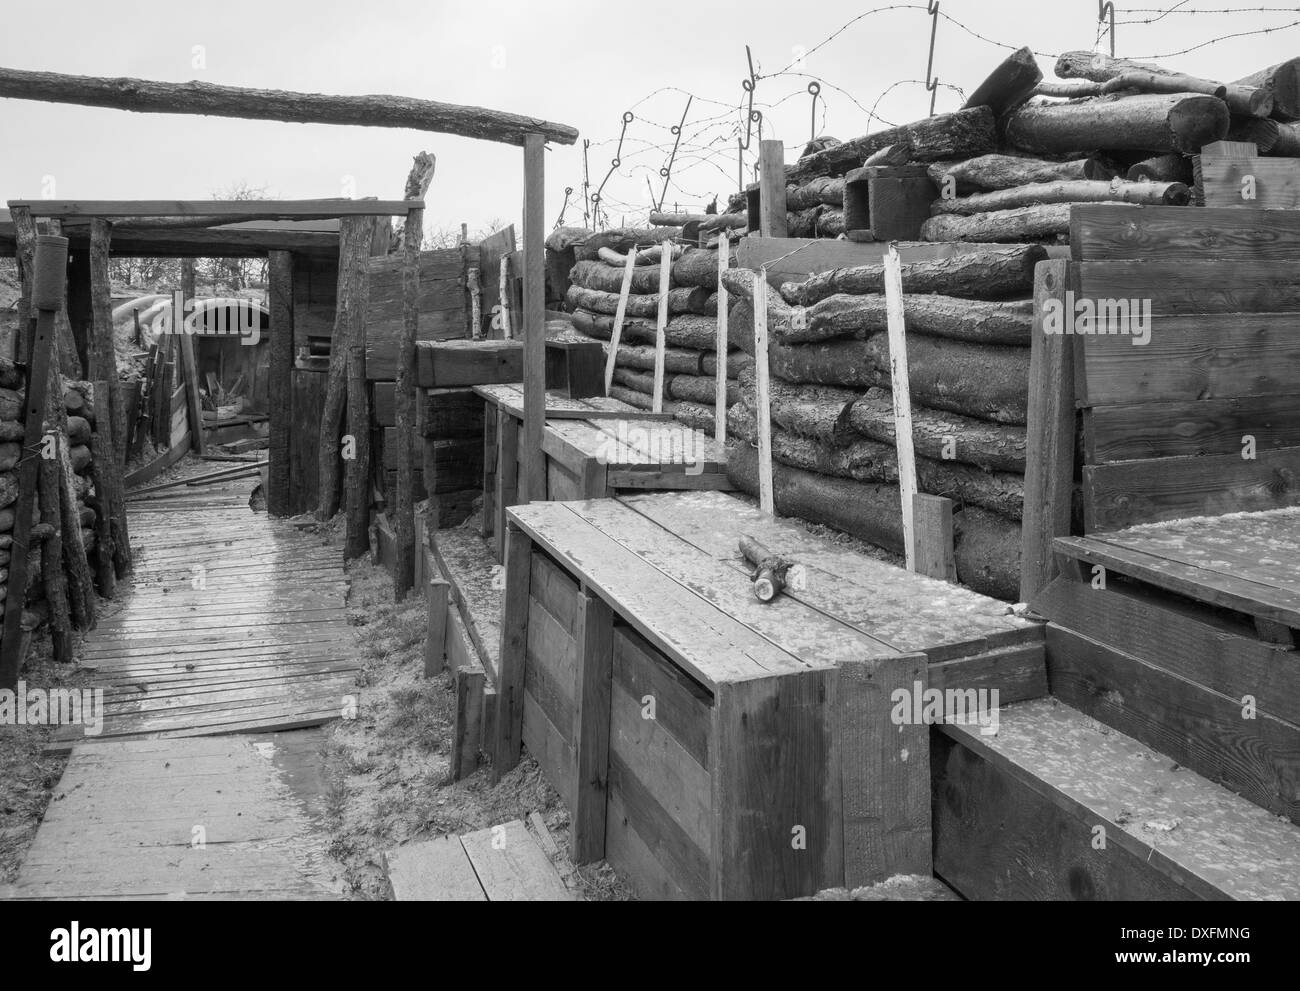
661,333
901,388
771,189
720,400
611,359
503,294
190,366
932,520
766,498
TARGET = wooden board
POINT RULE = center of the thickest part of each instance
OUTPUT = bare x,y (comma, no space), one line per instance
1117,232
1136,431
441,306
436,870
511,866
1275,182
467,363
1195,287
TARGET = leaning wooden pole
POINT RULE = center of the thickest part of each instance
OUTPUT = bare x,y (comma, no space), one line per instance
533,469
354,248
207,99
46,288
417,185
190,365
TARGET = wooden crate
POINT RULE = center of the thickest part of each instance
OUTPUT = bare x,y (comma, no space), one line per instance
710,746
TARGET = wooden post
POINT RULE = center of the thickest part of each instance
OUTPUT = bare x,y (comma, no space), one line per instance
435,641
81,314
487,521
902,392
468,730
103,354
503,296
1049,450
885,769
771,189
594,633
620,313
417,185
357,468
108,485
518,562
280,386
190,366
45,288
762,385
932,522
661,331
25,242
533,469
354,248
721,345
507,476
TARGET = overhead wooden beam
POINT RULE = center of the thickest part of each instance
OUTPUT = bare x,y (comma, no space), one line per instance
243,210
533,467
208,99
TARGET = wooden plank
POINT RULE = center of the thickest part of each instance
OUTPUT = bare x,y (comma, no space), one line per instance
681,705
1187,358
1255,183
772,193
721,346
1172,634
1202,729
467,731
1100,231
591,726
507,495
775,772
511,866
1136,431
900,388
1049,455
437,870
263,209
645,841
1193,286
448,363
885,768
517,560
435,639
532,463
762,384
661,325
932,522
620,313
1132,492
280,380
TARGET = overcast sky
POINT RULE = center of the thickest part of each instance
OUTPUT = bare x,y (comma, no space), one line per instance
578,62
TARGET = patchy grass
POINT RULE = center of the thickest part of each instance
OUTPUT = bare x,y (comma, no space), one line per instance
389,769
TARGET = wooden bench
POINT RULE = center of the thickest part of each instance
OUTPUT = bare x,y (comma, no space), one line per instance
709,745
594,447
1173,614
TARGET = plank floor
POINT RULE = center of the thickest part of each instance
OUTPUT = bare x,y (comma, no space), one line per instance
232,622
503,863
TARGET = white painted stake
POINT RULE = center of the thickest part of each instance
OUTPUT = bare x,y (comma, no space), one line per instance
503,291
665,281
766,500
610,359
900,386
720,347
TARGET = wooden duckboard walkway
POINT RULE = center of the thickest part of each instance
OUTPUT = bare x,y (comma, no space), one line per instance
1242,561
223,818
501,864
262,645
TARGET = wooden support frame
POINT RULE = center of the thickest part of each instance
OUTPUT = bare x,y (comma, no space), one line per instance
280,387
509,729
620,314
721,344
190,366
435,641
1049,452
771,189
261,209
901,390
594,633
766,493
933,531
661,324
533,460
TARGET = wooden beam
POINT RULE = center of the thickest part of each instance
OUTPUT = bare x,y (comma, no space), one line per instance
721,345
49,262
533,466
190,365
518,561
242,209
279,297
766,495
208,99
435,640
1049,450
114,427
900,387
620,313
771,189
594,634
417,185
932,525
661,327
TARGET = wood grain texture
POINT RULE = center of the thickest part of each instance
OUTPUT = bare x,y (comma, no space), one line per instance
517,561
511,866
1137,431
1106,232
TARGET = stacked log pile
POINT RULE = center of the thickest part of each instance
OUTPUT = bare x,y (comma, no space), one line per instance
690,356
969,321
58,582
1008,165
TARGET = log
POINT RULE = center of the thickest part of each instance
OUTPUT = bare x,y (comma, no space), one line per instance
700,389
697,267
824,190
899,153
987,551
990,273
990,172
622,240
1029,223
1009,85
11,404
684,300
11,376
1283,81
695,416
1162,168
354,248
639,399
1146,81
737,362
208,99
78,429
1180,122
646,256
608,279
963,134
1287,142
9,454
676,360
1070,89
978,321
1075,191
872,461
79,455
